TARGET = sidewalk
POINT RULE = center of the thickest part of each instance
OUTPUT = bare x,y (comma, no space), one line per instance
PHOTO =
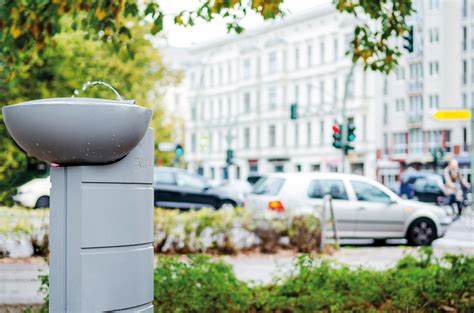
459,237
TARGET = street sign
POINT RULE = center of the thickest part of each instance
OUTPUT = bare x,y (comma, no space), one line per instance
167,146
443,115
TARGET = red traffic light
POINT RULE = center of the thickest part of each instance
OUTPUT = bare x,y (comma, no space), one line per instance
336,129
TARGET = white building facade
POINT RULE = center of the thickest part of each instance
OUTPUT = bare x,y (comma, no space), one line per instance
439,74
240,90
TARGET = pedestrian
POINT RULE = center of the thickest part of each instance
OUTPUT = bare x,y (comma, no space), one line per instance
454,184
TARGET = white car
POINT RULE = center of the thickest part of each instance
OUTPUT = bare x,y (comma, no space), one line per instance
34,194
363,208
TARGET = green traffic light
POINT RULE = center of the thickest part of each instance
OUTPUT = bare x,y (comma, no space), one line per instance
179,151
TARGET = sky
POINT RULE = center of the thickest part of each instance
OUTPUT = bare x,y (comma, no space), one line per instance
179,36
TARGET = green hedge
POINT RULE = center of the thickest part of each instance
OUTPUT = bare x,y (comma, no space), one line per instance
414,285
422,284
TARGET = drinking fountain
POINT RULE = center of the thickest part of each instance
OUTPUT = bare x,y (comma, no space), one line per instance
101,219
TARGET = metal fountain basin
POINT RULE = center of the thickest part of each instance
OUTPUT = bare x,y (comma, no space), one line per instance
77,131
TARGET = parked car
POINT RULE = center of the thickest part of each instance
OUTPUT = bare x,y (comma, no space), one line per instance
428,189
178,189
237,188
253,179
408,180
363,208
34,194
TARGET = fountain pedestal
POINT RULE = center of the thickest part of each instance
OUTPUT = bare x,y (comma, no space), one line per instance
101,219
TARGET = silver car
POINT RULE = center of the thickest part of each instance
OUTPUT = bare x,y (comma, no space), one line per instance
363,208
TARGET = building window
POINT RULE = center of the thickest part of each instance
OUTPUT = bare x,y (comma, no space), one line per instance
385,144
416,71
247,102
309,133
472,70
297,93
193,142
433,35
433,68
229,72
433,5
247,138
246,68
385,86
400,143
350,88
298,167
229,106
309,55
297,57
464,8
220,75
434,139
309,93
464,38
336,49
433,101
193,112
464,100
271,136
321,133
272,62
321,92
472,33
297,134
272,98
464,72
400,73
400,105
416,109
416,141
385,113
321,52
335,90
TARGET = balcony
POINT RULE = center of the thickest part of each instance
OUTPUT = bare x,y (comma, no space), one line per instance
415,119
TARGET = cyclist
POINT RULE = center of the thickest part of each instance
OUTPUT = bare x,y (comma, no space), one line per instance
455,184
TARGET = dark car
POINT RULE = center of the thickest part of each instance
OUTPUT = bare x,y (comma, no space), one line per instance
408,180
178,189
428,188
253,179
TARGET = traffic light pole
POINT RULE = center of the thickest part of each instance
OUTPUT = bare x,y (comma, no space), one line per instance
472,150
345,124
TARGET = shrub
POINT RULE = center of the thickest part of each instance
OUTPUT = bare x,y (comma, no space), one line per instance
198,285
423,284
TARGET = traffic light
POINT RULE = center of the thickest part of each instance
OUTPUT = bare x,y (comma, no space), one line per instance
351,133
179,151
229,158
294,111
337,136
438,156
409,43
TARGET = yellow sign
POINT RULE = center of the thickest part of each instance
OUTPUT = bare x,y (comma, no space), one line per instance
452,115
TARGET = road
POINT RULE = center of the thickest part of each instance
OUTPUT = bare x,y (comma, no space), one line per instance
19,278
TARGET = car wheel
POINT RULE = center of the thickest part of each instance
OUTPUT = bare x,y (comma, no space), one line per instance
42,202
227,204
421,232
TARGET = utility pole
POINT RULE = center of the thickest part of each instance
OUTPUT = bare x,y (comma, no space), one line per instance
345,124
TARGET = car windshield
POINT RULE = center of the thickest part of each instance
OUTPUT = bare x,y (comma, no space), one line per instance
164,178
268,186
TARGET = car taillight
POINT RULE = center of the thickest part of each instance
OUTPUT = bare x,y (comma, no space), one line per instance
276,206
